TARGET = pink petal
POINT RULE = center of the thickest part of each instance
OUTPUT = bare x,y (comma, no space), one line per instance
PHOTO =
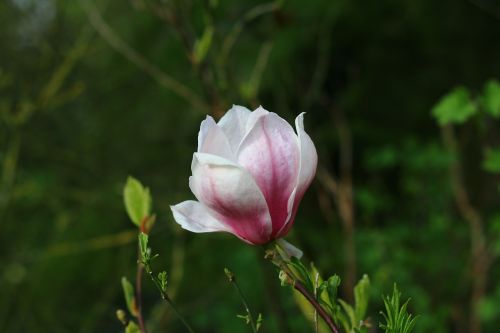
193,216
212,140
307,171
271,154
230,190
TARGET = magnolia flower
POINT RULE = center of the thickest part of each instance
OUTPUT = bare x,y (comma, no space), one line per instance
249,175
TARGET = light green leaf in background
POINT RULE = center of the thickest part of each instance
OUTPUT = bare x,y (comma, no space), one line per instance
454,108
137,200
128,292
132,328
202,45
491,98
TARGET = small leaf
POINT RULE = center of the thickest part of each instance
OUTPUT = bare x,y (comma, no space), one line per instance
301,272
332,287
128,292
454,108
491,161
361,297
246,318
491,98
143,247
260,319
132,328
202,45
162,278
137,200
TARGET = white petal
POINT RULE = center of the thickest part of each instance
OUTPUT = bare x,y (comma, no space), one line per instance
253,117
212,140
308,157
233,124
270,153
193,216
307,171
230,190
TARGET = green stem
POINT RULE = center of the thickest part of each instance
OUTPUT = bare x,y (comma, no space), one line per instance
165,296
247,309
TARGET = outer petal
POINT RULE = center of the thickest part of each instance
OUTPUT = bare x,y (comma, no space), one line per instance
233,124
193,216
307,171
230,190
271,154
212,140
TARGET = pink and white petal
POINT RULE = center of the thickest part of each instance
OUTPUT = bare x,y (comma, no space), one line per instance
307,171
233,124
212,140
271,154
230,191
253,117
193,216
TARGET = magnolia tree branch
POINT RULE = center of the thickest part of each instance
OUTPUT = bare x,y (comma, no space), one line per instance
297,285
140,61
479,256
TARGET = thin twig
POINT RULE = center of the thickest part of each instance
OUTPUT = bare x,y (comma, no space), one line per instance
252,14
232,280
316,280
165,296
140,61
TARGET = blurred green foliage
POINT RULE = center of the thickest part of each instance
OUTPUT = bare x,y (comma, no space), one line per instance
91,93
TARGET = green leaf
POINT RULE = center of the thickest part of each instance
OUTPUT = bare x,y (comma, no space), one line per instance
454,108
491,98
351,316
491,160
132,328
143,247
332,287
202,45
129,293
162,278
301,272
137,200
361,298
397,318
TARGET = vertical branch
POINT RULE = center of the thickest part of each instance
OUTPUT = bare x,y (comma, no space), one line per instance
480,261
341,191
345,202
138,294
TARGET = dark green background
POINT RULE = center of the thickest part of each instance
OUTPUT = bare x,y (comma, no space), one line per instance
78,117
